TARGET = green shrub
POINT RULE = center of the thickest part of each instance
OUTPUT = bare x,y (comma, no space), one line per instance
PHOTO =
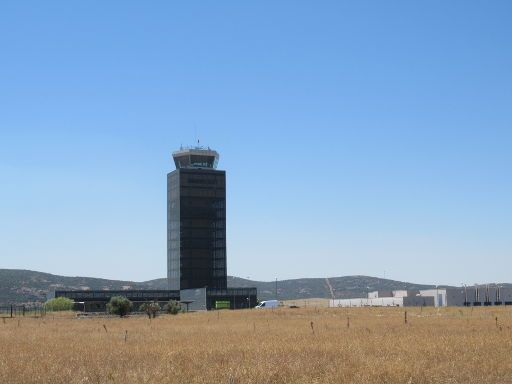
172,307
151,309
59,304
119,305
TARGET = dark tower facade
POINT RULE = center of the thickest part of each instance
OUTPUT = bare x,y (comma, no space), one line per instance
196,221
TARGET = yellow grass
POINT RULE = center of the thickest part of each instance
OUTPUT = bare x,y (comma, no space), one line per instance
307,303
264,346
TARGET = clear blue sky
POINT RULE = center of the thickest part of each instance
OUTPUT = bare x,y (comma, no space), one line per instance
362,137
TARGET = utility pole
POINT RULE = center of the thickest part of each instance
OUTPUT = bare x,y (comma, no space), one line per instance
276,288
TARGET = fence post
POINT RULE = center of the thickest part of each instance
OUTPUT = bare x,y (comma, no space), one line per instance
23,311
11,311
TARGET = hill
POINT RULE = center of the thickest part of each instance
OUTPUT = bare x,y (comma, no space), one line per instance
333,287
23,286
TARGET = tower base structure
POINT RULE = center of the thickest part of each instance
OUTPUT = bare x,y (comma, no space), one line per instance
198,299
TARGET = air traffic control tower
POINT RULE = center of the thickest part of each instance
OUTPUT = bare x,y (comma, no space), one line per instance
196,242
196,221
196,233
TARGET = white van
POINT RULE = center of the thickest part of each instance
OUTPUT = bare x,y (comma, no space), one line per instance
268,304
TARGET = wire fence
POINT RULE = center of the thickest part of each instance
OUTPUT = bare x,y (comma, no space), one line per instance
15,310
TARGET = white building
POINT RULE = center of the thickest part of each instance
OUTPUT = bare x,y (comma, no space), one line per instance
484,295
368,302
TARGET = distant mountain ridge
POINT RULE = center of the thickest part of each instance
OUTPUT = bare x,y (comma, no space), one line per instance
24,286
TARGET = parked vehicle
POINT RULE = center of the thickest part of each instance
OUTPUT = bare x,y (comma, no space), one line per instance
268,304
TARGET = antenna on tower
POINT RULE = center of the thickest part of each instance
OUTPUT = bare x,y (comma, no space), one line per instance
195,133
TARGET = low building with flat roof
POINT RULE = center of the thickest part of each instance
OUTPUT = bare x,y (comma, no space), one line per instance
478,295
96,300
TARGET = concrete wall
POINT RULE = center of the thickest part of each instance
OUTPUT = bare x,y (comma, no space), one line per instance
364,302
456,297
506,295
439,295
478,296
400,293
381,294
482,295
418,301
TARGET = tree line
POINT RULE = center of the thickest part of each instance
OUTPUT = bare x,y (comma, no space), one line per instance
118,305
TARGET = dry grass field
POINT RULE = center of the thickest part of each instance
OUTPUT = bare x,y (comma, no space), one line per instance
305,345
307,303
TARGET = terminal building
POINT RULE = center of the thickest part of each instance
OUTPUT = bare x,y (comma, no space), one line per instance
88,300
196,241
